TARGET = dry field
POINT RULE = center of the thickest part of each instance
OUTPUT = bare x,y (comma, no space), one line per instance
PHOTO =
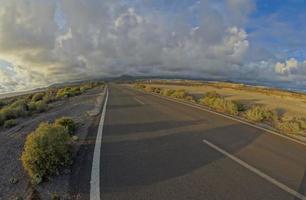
286,105
12,142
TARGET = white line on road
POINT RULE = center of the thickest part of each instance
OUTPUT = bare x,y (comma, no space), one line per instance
256,171
139,101
95,169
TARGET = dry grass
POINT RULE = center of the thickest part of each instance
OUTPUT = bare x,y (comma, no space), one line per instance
290,106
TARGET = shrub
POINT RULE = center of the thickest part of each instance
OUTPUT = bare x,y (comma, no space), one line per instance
241,107
38,96
157,90
74,91
167,92
190,98
45,151
61,93
259,114
2,104
17,109
212,94
50,96
220,104
10,123
55,196
68,92
39,106
292,126
180,94
68,123
32,106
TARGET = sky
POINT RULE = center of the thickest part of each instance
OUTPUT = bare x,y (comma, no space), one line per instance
50,41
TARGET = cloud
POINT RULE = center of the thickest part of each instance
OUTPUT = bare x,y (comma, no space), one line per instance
49,41
291,67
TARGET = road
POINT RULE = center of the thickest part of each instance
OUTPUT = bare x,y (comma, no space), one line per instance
153,148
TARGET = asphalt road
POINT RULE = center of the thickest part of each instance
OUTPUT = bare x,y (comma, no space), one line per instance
153,148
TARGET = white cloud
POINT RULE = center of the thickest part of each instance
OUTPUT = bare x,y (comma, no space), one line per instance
291,67
48,41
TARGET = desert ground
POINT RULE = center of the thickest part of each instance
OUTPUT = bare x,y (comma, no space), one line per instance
285,105
12,142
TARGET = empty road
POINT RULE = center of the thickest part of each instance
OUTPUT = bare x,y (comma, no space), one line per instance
153,148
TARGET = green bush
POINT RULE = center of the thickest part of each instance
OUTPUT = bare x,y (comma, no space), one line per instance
2,104
62,93
241,107
68,123
38,96
167,92
10,123
259,114
50,96
45,151
292,126
17,109
216,102
39,106
157,90
190,98
180,94
68,92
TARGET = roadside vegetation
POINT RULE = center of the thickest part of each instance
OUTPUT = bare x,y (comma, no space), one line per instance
22,106
254,113
258,113
215,101
47,149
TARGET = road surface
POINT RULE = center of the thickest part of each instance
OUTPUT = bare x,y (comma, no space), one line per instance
153,148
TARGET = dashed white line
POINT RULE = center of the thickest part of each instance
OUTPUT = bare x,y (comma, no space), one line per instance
95,169
257,171
139,101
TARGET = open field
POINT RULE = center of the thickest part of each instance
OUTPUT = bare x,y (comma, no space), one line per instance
15,182
283,102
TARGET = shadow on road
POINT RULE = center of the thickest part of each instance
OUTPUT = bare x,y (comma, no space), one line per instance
148,127
148,161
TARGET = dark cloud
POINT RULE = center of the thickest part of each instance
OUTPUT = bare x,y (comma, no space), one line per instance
48,41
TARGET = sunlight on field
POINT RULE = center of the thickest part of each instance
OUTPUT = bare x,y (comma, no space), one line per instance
289,106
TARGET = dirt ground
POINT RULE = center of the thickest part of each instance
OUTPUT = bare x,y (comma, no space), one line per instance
287,106
12,141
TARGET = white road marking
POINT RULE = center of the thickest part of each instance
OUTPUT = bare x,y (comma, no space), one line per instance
257,171
228,117
139,101
95,170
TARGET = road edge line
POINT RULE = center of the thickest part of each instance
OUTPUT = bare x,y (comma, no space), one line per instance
95,169
256,171
139,101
